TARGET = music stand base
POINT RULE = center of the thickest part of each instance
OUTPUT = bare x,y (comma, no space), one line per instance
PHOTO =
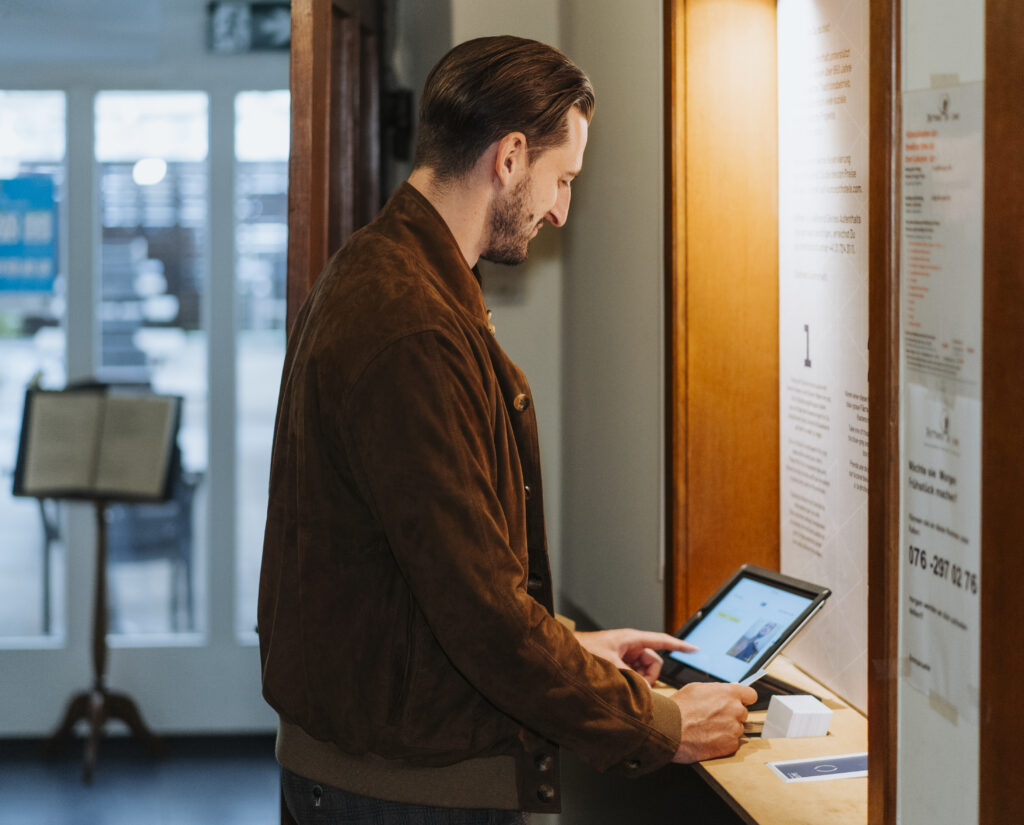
97,707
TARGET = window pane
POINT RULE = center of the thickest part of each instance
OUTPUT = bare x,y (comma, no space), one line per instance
261,235
151,148
32,145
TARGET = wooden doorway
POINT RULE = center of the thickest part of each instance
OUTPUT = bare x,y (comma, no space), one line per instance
334,170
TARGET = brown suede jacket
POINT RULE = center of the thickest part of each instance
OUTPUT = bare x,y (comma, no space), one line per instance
405,605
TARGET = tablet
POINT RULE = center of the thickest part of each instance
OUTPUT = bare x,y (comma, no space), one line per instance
742,627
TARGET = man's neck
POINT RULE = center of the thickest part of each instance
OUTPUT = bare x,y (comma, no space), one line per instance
462,205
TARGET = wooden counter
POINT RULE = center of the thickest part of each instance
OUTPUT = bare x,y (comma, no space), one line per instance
759,797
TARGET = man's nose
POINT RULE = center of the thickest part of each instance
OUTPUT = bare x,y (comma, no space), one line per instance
559,213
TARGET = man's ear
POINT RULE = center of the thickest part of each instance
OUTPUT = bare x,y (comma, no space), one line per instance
511,158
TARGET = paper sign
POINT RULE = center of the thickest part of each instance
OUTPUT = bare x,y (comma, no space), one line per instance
28,234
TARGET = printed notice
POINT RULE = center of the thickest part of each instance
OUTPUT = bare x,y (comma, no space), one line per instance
941,274
823,325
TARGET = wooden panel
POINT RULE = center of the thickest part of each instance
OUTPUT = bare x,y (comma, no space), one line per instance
883,414
369,128
308,161
1002,562
729,328
348,8
344,125
675,313
334,166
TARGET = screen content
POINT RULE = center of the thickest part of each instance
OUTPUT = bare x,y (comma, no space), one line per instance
743,625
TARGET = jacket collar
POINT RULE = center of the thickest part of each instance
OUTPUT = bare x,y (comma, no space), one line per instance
413,220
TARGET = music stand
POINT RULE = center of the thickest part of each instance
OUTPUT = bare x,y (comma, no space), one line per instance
91,443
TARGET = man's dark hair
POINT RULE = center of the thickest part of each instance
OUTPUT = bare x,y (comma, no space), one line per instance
484,89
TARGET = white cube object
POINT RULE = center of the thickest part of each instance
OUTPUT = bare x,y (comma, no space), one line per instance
790,716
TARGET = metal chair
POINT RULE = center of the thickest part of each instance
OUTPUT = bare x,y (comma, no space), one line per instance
163,531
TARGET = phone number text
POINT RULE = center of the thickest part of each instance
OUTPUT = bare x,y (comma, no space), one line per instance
944,569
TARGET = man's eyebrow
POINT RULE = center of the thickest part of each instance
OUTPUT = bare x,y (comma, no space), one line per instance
572,173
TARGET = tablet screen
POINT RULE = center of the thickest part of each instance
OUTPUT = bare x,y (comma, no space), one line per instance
748,619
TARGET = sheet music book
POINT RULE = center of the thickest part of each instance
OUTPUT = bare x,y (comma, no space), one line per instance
97,443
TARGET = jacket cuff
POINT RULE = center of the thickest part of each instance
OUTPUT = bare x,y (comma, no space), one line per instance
660,744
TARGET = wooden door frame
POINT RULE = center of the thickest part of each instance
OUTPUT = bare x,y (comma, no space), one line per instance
674,28
722,460
330,192
1001,785
883,411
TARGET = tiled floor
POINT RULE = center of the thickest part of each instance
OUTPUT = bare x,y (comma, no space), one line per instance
201,781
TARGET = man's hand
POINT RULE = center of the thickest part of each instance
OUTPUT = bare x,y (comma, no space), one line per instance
634,649
713,716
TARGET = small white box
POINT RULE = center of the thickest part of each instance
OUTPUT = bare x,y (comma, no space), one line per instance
790,716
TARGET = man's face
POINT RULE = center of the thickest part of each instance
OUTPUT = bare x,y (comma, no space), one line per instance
543,195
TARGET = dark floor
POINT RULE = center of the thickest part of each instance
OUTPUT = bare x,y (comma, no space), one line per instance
201,781
234,781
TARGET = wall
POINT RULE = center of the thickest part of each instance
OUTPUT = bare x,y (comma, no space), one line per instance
418,34
527,300
613,447
583,316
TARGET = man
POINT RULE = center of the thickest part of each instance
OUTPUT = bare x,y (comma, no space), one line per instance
406,628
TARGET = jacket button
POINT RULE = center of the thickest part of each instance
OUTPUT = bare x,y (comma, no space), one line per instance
544,761
527,491
533,582
545,793
521,402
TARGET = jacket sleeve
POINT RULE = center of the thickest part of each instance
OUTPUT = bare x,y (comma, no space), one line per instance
419,424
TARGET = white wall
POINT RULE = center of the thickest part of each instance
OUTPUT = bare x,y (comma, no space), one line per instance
528,315
582,317
613,442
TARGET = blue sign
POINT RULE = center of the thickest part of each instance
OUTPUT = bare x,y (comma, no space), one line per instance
28,234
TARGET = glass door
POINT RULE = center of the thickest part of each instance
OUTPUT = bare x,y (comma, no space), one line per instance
175,246
32,313
261,247
152,157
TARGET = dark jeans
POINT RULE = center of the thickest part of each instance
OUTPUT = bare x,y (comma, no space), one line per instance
313,803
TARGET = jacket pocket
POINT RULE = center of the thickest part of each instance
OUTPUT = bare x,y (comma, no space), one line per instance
441,711
400,691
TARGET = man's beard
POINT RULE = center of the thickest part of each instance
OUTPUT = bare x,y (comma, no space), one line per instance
511,228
